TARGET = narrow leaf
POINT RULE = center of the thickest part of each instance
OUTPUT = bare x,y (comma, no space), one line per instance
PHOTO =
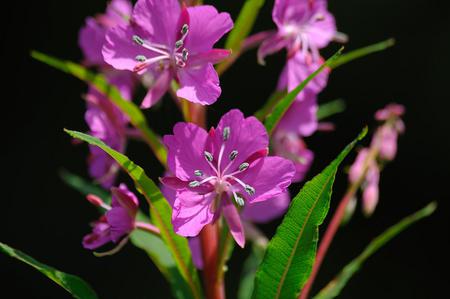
76,286
334,288
160,212
83,186
331,108
242,28
291,252
283,105
244,24
359,53
133,112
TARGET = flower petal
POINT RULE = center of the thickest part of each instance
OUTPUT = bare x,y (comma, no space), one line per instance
188,219
100,236
158,19
270,46
196,251
119,50
247,136
186,150
269,177
199,84
206,27
90,40
301,117
268,210
212,56
233,219
159,88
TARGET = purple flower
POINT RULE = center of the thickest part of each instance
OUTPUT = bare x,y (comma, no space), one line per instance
118,221
386,136
215,172
290,146
92,35
170,42
368,167
303,25
107,123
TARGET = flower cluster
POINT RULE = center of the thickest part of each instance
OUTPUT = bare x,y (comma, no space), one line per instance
367,166
219,171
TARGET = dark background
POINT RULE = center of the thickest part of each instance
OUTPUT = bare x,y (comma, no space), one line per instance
43,217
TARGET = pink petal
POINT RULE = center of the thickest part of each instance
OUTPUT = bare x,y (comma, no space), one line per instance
268,210
270,46
186,150
124,198
356,170
301,117
213,56
119,50
233,219
269,177
299,68
206,27
120,223
91,39
188,219
196,252
199,85
158,89
247,135
100,236
158,19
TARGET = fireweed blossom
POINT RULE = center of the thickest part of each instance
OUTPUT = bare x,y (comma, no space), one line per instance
169,42
216,172
92,37
118,221
367,168
107,123
303,27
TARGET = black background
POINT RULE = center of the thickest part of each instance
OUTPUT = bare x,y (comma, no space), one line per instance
45,218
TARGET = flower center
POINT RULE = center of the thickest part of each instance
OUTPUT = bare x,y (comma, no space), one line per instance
178,55
224,179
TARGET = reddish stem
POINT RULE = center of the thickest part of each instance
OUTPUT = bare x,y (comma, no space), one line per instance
209,238
336,222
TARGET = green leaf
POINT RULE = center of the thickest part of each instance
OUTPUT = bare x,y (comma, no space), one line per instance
242,28
334,288
248,274
160,212
330,108
151,244
244,24
160,254
83,186
291,252
359,53
133,112
76,286
283,105
262,113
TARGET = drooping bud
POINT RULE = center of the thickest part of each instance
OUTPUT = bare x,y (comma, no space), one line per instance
233,155
226,133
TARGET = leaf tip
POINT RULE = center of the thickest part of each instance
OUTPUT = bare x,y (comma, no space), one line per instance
431,207
363,133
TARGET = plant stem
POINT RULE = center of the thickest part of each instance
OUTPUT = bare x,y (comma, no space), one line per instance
336,222
209,239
